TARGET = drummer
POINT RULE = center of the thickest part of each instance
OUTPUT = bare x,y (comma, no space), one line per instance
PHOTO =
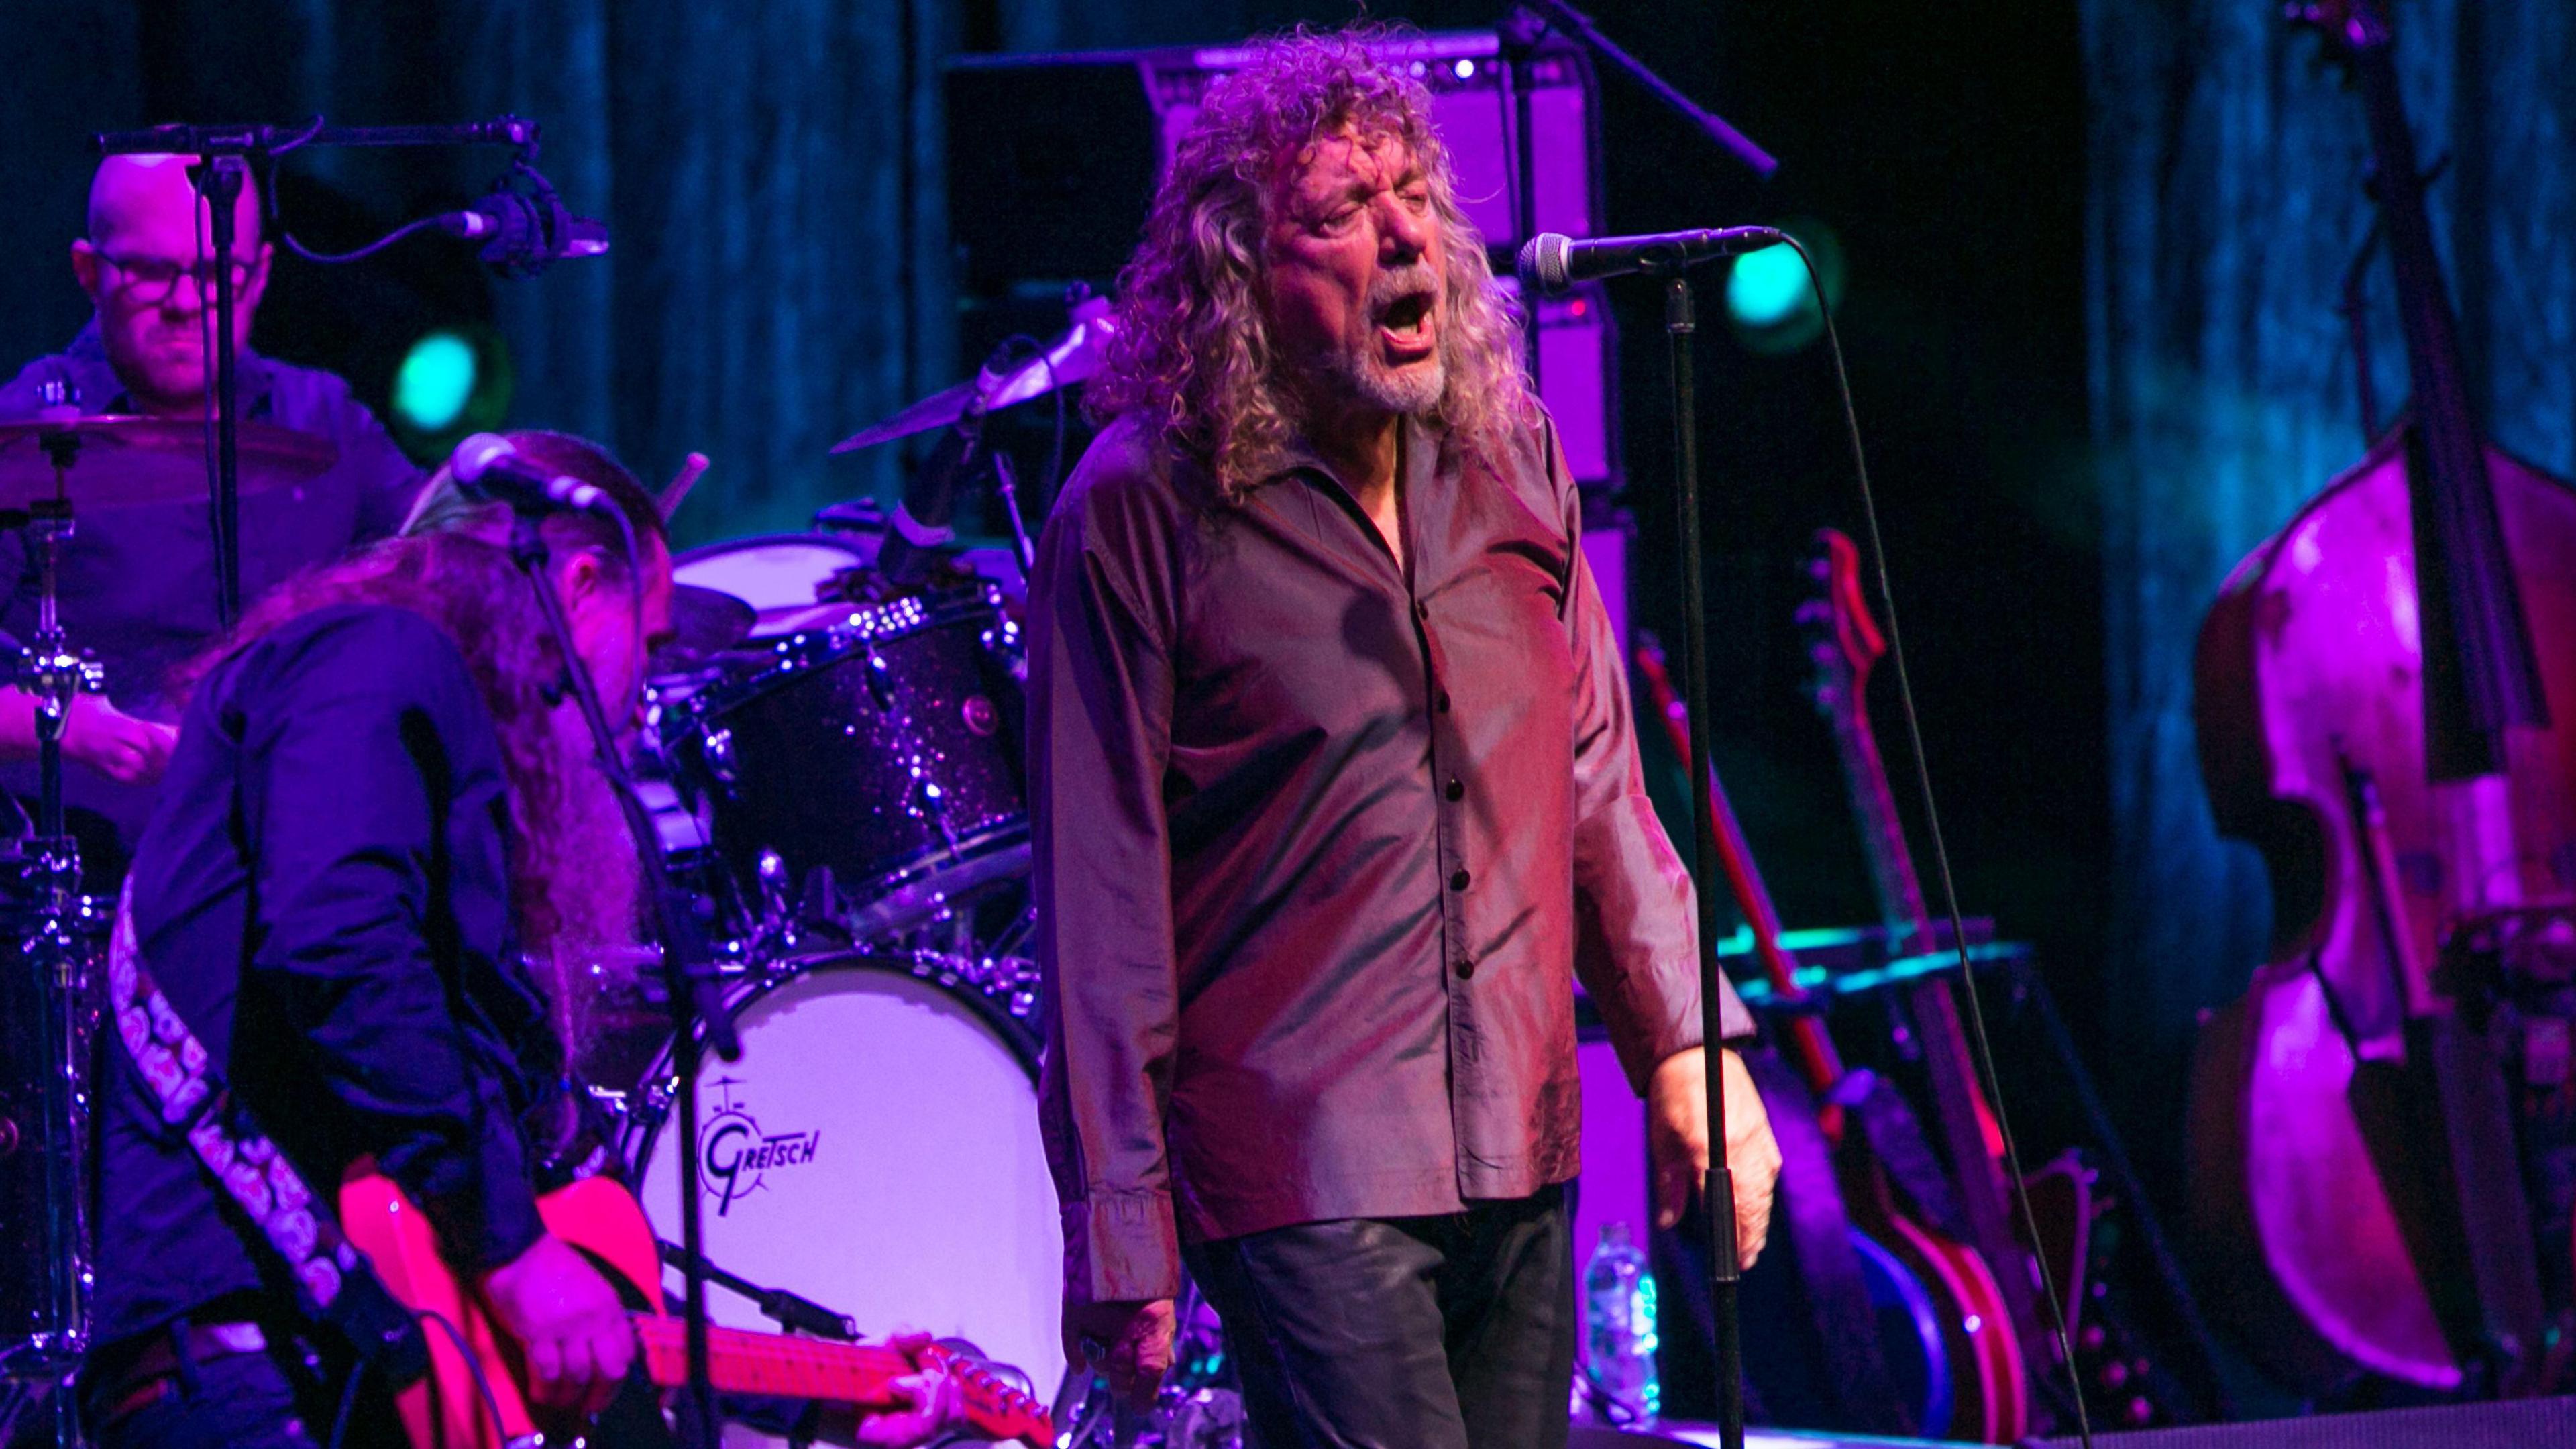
137,583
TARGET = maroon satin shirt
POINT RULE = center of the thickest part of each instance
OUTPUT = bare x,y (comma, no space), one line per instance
1322,843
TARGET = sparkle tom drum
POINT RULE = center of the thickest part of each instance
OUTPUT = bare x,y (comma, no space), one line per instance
884,749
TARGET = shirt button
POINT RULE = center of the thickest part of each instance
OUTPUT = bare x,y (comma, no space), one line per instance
1466,967
1458,882
1421,611
1442,703
1455,790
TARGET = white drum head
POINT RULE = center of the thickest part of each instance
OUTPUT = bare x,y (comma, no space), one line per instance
777,576
876,1150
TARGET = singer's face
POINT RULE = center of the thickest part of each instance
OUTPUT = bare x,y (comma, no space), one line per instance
1355,274
141,266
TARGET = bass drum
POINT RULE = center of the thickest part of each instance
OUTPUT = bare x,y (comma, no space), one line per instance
876,1150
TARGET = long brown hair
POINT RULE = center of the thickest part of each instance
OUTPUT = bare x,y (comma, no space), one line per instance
1192,355
453,568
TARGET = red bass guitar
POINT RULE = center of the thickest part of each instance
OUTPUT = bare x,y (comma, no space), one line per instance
481,1403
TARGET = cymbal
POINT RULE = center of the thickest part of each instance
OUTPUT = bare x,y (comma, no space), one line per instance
1072,357
124,460
704,623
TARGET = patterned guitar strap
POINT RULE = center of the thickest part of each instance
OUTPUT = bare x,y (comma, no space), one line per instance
335,1285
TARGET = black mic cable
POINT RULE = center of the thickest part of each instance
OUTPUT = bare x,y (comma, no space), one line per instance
1941,856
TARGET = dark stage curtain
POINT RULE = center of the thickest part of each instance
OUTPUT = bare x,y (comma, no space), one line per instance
2226,200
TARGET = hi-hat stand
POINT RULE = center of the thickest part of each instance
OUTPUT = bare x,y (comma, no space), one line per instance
49,867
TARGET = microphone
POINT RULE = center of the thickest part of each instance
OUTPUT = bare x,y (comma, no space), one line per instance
490,467
521,234
1551,264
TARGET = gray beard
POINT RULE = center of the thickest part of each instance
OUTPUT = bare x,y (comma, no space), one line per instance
1411,392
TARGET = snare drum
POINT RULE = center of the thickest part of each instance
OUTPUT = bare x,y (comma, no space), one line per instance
793,581
884,749
876,1149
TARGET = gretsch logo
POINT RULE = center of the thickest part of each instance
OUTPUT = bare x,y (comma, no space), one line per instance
735,1157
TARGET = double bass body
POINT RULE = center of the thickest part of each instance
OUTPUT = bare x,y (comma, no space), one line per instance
2340,1211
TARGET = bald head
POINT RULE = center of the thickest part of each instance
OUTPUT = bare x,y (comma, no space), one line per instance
146,265
152,192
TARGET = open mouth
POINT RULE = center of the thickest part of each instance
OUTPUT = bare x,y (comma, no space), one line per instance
1405,324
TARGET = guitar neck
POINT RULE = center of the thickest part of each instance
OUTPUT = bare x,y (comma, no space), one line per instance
744,1362
764,1363
1959,1110
1882,830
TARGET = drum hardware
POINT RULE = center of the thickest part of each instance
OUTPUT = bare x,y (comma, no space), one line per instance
1198,1407
138,460
1072,356
48,1330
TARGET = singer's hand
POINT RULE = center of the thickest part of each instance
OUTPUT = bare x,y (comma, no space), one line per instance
1677,1136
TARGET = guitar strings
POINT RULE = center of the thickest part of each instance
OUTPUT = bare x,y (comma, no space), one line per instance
1941,854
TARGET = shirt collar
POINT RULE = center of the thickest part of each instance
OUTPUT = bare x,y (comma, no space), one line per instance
1417,454
100,390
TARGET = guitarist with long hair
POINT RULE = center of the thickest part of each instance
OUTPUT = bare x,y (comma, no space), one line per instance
381,805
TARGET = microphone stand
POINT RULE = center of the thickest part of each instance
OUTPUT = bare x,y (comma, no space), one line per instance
1575,25
686,975
791,1311
1518,36
1726,1269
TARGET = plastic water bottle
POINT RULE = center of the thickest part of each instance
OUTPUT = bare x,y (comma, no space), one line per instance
1619,1323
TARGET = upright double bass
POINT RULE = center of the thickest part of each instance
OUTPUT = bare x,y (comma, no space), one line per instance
2386,707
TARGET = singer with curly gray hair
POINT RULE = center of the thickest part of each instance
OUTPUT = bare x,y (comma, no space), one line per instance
1335,796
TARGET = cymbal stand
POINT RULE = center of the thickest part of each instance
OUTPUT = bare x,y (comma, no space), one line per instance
54,675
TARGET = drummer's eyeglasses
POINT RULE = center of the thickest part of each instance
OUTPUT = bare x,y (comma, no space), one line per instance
150,280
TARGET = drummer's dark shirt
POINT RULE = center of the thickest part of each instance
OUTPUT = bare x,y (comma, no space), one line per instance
138,583
1322,845
325,897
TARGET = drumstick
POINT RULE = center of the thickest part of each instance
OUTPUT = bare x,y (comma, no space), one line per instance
680,484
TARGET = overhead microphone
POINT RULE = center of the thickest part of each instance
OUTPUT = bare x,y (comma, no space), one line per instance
1551,264
491,467
522,234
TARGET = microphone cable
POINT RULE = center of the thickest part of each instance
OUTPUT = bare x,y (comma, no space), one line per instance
1941,855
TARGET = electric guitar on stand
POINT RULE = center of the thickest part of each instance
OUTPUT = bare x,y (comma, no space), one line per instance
1845,643
1940,1351
479,1402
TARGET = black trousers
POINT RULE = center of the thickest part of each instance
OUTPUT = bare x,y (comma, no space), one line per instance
1449,1332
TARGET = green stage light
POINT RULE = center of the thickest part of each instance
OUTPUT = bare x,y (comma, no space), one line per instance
436,380
1765,287
1770,304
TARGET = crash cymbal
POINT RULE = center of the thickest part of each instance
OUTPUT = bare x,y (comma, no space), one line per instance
704,623
122,460
1072,357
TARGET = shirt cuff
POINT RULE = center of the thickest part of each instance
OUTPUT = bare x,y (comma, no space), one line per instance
1121,1248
